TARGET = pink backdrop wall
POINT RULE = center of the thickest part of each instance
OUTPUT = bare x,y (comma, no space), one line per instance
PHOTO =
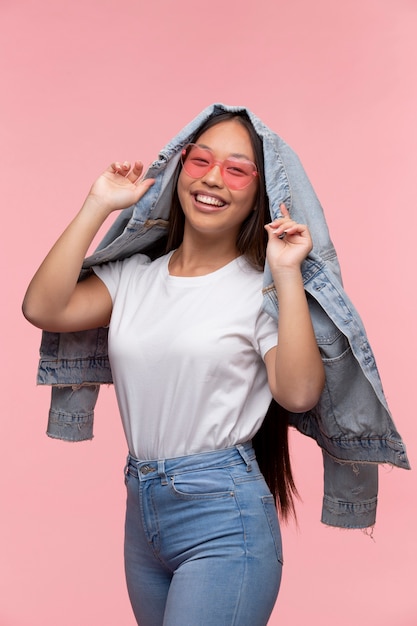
84,83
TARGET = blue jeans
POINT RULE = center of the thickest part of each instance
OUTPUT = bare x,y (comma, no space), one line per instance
202,540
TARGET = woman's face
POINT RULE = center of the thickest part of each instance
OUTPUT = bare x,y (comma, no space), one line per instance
209,205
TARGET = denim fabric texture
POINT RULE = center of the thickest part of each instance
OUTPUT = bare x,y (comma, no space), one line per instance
351,423
202,540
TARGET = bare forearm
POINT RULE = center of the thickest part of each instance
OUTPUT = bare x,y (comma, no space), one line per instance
299,369
54,282
54,298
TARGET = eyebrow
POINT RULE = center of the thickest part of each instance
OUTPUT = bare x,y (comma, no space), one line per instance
237,155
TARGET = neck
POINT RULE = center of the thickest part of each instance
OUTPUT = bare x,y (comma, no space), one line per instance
200,257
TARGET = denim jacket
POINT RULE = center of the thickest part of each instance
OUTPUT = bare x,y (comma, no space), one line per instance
351,423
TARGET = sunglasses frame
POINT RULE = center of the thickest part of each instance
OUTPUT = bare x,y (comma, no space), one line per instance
213,162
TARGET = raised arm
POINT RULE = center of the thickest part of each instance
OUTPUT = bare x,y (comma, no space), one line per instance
55,300
295,369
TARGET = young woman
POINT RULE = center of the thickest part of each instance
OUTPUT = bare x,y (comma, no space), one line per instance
195,362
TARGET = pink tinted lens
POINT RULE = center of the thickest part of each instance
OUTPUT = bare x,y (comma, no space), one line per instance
236,173
197,161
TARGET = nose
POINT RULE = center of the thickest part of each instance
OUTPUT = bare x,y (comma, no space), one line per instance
214,176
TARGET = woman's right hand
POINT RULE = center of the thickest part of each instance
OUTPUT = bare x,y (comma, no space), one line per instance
119,186
55,300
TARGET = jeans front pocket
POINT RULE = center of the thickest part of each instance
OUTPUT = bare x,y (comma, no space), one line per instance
206,484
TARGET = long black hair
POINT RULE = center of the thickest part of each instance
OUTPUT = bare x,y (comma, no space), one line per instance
271,441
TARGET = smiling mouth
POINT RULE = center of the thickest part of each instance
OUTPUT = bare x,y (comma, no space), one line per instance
209,200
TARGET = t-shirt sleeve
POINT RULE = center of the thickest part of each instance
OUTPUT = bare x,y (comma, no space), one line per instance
266,333
111,273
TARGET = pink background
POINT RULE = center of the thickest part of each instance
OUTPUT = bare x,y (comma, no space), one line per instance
87,82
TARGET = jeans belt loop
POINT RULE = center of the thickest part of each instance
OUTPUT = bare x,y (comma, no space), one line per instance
245,457
161,472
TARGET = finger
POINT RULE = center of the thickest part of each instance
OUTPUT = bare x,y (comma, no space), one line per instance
284,211
274,231
144,185
281,225
121,168
280,221
285,216
296,229
142,188
136,172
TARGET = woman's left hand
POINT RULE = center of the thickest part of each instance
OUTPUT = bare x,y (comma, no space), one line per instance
288,242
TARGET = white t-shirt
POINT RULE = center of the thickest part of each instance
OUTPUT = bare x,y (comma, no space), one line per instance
187,355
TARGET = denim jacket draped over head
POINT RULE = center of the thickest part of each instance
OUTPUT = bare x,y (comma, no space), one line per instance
351,423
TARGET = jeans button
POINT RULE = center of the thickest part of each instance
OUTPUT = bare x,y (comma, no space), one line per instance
146,469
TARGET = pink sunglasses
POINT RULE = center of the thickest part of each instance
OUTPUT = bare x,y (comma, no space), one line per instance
237,173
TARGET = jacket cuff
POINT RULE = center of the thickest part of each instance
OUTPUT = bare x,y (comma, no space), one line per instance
349,514
71,415
350,493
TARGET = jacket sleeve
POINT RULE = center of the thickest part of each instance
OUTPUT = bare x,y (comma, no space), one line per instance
75,364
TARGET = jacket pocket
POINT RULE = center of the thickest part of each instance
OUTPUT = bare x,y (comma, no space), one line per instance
348,406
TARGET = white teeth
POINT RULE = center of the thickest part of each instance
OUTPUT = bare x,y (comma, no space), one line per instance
209,200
